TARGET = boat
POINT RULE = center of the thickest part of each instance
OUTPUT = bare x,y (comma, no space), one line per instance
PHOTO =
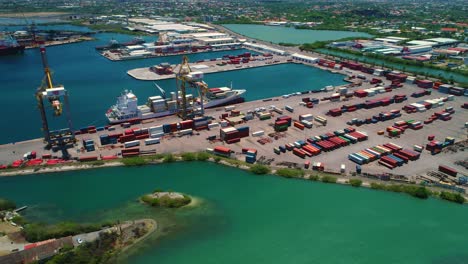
114,44
9,45
127,109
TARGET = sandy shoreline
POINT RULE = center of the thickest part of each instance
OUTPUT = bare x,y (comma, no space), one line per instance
32,14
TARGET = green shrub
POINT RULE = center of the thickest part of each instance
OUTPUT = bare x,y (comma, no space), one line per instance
415,191
329,179
19,220
355,182
314,177
37,232
6,204
259,169
134,161
290,173
217,159
203,156
453,197
168,158
189,156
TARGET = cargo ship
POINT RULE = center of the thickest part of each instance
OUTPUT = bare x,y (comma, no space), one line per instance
114,44
9,45
127,109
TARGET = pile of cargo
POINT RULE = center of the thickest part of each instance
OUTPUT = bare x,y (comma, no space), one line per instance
327,142
389,155
427,104
381,117
282,123
435,147
368,104
88,144
309,102
250,155
233,135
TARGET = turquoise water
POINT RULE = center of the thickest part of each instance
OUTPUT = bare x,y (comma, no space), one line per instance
94,82
252,219
458,77
290,34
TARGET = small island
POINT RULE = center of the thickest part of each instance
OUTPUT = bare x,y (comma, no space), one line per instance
169,199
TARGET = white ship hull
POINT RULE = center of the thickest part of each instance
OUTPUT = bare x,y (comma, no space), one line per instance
210,104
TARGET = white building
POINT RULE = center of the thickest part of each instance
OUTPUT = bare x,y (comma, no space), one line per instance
304,58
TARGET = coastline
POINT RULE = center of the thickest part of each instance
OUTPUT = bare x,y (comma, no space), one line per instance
307,175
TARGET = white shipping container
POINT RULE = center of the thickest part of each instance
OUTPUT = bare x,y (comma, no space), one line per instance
188,131
213,125
343,168
152,141
132,143
229,108
224,123
307,117
258,133
157,135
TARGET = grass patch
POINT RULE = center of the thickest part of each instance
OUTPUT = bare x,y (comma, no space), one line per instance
259,169
168,158
134,161
189,156
329,179
203,156
355,182
314,178
290,173
452,197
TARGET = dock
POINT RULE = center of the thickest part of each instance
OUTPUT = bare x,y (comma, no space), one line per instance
173,143
207,66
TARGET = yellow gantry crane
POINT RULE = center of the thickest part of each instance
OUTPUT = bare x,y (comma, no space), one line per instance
185,80
64,138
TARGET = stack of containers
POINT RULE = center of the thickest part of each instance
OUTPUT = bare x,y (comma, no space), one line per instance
282,123
230,135
92,129
424,83
200,123
104,139
130,152
88,144
243,131
250,155
156,131
434,147
141,133
222,151
186,124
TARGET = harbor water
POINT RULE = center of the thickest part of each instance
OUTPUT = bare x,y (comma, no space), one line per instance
94,82
245,218
277,34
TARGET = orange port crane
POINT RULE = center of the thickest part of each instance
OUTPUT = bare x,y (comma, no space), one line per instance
63,138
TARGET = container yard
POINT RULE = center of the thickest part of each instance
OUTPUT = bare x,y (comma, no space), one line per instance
382,122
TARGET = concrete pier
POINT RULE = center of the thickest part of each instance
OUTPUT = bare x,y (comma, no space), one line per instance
145,74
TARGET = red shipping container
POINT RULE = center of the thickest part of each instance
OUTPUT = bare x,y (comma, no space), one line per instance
221,149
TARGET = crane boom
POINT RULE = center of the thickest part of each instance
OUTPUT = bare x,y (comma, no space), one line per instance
48,75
